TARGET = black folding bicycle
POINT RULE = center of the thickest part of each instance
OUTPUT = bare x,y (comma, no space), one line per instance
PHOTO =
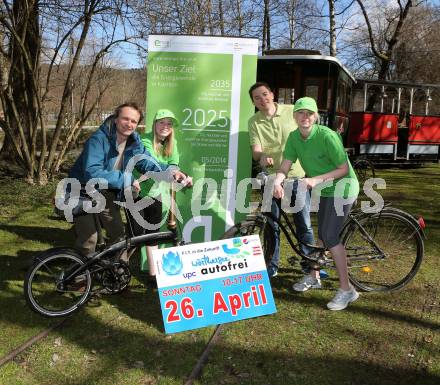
61,280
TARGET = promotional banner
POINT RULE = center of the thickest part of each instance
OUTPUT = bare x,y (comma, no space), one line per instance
212,283
205,81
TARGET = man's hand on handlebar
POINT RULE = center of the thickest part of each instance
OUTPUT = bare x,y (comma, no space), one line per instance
310,182
188,182
136,186
183,179
278,191
266,161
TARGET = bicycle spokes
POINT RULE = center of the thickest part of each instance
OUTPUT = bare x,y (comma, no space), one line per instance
384,251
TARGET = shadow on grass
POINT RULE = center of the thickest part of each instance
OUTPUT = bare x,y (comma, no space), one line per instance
368,311
295,368
140,302
54,236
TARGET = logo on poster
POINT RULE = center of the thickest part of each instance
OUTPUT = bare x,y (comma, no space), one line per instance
162,43
236,249
172,263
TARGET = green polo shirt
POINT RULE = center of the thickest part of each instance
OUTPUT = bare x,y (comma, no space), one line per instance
272,133
149,187
320,153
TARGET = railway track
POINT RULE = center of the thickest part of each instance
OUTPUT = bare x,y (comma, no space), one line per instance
194,374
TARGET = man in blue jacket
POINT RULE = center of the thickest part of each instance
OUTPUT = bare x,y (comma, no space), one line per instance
106,155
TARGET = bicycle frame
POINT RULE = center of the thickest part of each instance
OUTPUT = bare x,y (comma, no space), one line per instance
292,244
354,220
351,220
133,241
287,231
128,243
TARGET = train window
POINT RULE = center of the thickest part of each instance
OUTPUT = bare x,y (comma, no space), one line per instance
419,102
426,101
358,99
343,97
405,101
433,100
389,96
329,94
315,88
286,95
312,91
374,98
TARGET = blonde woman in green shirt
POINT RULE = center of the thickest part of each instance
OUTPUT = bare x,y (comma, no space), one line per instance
161,144
325,162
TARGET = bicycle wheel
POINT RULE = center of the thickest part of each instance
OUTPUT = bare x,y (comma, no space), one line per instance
44,290
419,223
255,226
387,261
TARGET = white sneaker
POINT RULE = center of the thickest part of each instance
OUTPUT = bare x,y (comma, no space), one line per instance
342,298
307,282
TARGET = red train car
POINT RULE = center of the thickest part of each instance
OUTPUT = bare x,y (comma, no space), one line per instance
395,121
382,121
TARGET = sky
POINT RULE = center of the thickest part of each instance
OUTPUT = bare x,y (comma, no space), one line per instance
127,55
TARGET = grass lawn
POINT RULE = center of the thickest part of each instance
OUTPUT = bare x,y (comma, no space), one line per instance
381,339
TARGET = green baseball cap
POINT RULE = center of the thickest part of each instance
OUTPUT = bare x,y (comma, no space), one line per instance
306,103
164,113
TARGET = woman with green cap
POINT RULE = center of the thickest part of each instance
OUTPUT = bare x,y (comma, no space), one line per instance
325,162
162,145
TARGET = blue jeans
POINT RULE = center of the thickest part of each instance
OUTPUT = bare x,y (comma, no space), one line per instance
302,222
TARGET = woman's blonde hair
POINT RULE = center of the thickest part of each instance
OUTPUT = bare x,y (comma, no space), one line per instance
164,148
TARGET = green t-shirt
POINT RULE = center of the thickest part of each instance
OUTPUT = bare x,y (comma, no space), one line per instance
272,133
320,153
150,187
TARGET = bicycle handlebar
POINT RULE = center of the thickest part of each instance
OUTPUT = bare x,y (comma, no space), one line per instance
263,176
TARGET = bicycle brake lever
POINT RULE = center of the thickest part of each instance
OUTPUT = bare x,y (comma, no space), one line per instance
262,178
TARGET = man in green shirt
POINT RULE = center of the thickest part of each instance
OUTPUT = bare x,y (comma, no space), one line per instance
269,129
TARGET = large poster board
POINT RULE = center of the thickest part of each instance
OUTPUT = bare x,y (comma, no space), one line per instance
205,81
211,283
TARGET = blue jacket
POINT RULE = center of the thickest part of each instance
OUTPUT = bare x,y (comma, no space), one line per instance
99,155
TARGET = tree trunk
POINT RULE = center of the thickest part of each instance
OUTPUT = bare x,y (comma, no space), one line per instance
221,17
239,18
292,22
19,96
331,9
265,44
7,151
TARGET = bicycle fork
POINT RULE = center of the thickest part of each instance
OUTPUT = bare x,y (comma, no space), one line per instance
368,238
